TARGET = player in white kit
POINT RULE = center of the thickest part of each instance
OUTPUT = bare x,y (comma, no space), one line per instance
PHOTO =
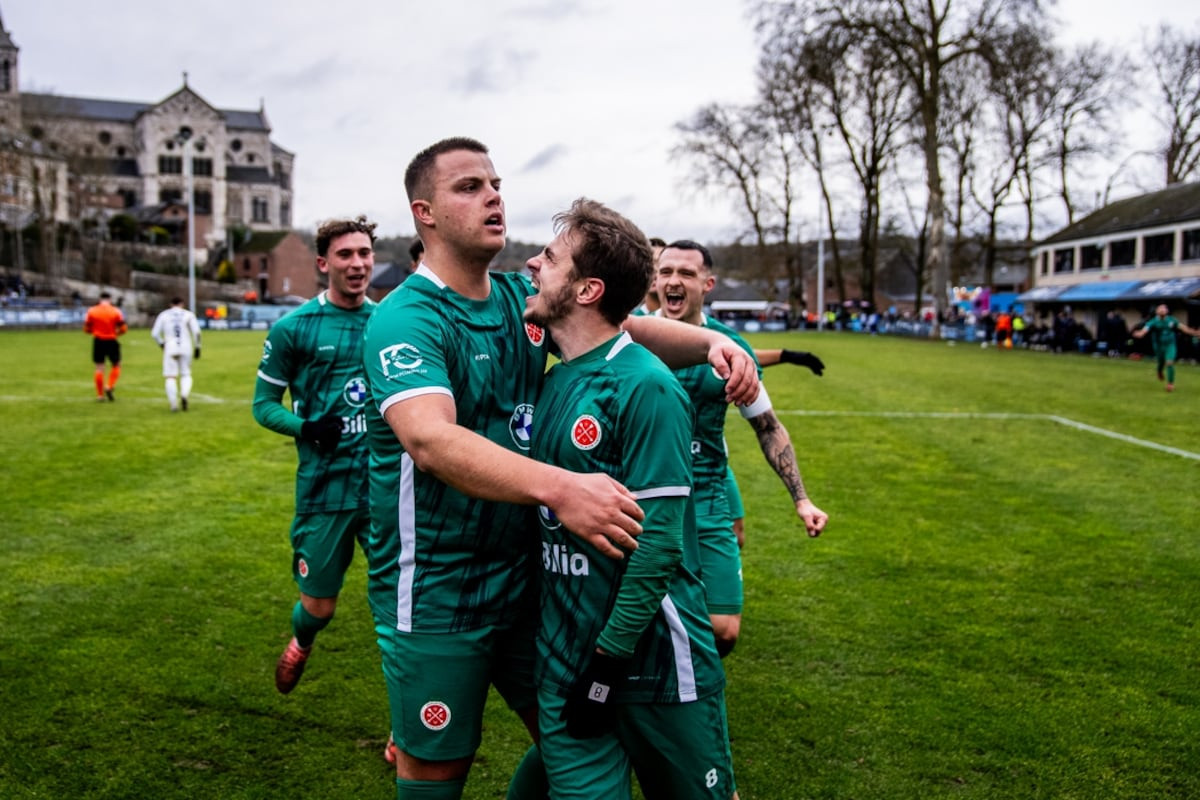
177,332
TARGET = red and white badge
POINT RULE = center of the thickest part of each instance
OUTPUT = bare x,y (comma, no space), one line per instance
536,334
435,715
302,568
585,433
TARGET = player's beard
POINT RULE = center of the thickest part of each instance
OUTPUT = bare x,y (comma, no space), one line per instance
552,308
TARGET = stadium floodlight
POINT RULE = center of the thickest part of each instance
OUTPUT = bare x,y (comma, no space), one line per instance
184,137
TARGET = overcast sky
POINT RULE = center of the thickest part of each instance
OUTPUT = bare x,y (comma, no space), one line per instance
574,97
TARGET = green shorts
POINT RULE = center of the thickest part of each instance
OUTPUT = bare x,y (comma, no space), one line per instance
323,547
438,684
1165,354
679,751
720,559
733,495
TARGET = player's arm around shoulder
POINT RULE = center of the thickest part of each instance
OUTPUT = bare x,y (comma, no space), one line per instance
680,345
594,507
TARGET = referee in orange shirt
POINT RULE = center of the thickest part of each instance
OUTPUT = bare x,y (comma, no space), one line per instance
105,323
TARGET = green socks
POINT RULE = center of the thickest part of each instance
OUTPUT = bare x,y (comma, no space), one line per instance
429,790
305,626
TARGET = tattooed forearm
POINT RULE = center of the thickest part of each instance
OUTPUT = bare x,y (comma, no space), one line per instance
776,445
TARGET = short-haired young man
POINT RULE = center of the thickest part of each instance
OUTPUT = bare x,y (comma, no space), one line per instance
315,354
628,672
684,278
105,322
1162,328
177,332
455,373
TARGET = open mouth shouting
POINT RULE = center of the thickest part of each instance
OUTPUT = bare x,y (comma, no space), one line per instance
673,301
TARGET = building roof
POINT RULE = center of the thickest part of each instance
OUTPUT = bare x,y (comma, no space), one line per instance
389,275
262,242
99,109
1104,291
245,120
1169,206
5,39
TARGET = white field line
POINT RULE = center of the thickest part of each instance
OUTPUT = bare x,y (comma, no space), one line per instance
1070,423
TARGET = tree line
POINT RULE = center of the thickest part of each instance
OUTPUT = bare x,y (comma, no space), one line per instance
952,123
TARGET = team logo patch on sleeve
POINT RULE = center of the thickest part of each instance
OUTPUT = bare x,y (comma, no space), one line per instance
520,425
536,334
435,715
302,568
266,349
585,433
399,359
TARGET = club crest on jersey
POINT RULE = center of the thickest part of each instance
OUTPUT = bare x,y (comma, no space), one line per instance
266,349
302,568
585,433
435,715
399,359
355,392
548,517
520,425
536,334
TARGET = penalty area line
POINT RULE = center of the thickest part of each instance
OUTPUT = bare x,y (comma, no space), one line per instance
1070,423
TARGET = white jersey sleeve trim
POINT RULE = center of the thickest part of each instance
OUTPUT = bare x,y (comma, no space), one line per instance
760,406
623,341
400,397
663,491
272,381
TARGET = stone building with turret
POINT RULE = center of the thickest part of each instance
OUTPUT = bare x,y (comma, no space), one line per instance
85,160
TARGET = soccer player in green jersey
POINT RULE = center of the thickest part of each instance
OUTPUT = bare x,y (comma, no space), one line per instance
1162,328
454,373
628,672
684,278
315,354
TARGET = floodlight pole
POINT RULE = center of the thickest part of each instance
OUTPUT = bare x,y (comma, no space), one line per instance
820,268
185,137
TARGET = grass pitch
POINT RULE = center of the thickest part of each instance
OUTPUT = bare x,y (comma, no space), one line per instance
1003,606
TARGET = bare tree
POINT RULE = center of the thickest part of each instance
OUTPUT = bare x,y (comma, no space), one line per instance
926,37
1020,112
849,85
1174,58
742,150
1089,84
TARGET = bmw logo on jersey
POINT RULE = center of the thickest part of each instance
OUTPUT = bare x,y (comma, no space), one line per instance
355,392
520,425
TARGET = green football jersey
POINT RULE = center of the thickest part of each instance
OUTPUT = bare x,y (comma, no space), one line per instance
619,411
439,560
315,353
1162,332
707,391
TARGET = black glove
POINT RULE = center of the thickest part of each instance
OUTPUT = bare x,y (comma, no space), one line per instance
804,359
591,709
196,354
326,432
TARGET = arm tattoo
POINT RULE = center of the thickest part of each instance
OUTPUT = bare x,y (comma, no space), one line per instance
777,448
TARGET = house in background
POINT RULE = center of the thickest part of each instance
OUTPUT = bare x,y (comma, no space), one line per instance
1129,256
279,264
